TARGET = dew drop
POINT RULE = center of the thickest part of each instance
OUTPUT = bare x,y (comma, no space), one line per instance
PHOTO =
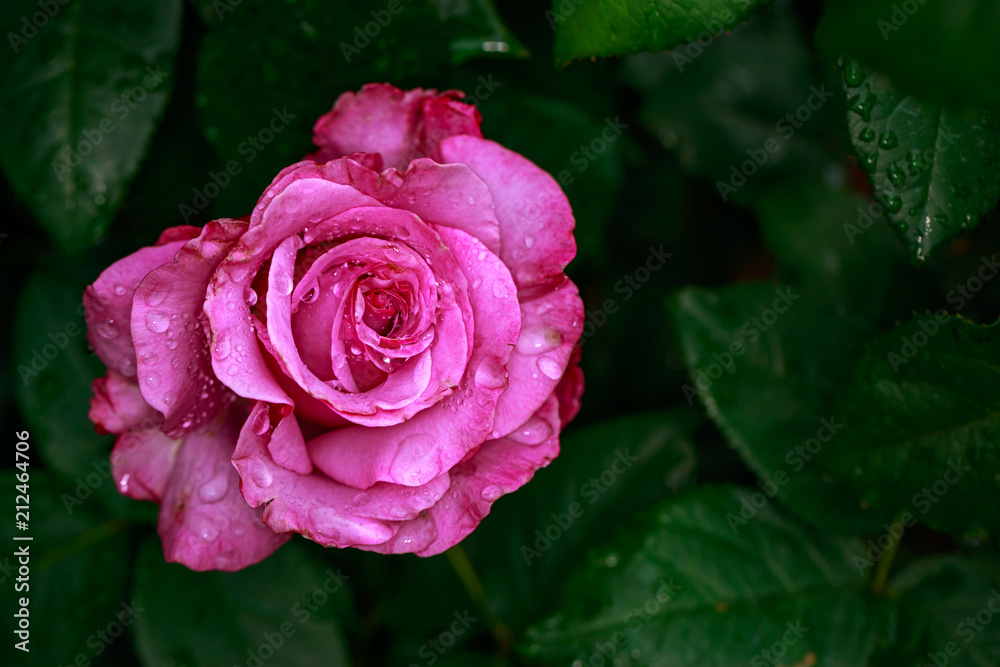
215,489
120,290
361,499
107,330
888,140
260,475
491,493
250,295
529,240
550,367
282,283
203,526
157,321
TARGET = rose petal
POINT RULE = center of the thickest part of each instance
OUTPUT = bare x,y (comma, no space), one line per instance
498,468
108,301
551,325
174,367
141,462
570,389
400,126
204,522
323,510
536,223
422,448
117,405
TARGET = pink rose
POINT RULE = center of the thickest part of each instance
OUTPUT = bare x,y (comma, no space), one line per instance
381,352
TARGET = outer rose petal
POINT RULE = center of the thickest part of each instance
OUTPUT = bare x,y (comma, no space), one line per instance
430,443
117,405
551,325
175,369
314,505
400,126
142,461
204,522
499,467
570,389
536,223
108,301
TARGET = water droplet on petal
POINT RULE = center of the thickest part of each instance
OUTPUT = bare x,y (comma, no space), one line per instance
260,422
491,493
120,290
529,240
550,367
533,432
361,499
152,380
214,490
222,346
282,283
203,526
107,330
249,295
157,321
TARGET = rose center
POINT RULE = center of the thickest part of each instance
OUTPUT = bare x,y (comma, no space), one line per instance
383,311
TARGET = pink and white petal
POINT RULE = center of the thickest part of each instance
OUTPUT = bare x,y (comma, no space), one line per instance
323,510
536,222
118,406
551,324
204,522
141,463
108,302
498,468
418,450
174,365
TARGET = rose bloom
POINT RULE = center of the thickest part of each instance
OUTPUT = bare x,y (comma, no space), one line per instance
380,351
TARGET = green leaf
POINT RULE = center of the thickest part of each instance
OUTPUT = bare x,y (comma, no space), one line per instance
727,114
940,49
940,600
677,586
934,169
619,27
288,605
521,551
81,97
54,370
769,380
921,423
78,562
829,240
